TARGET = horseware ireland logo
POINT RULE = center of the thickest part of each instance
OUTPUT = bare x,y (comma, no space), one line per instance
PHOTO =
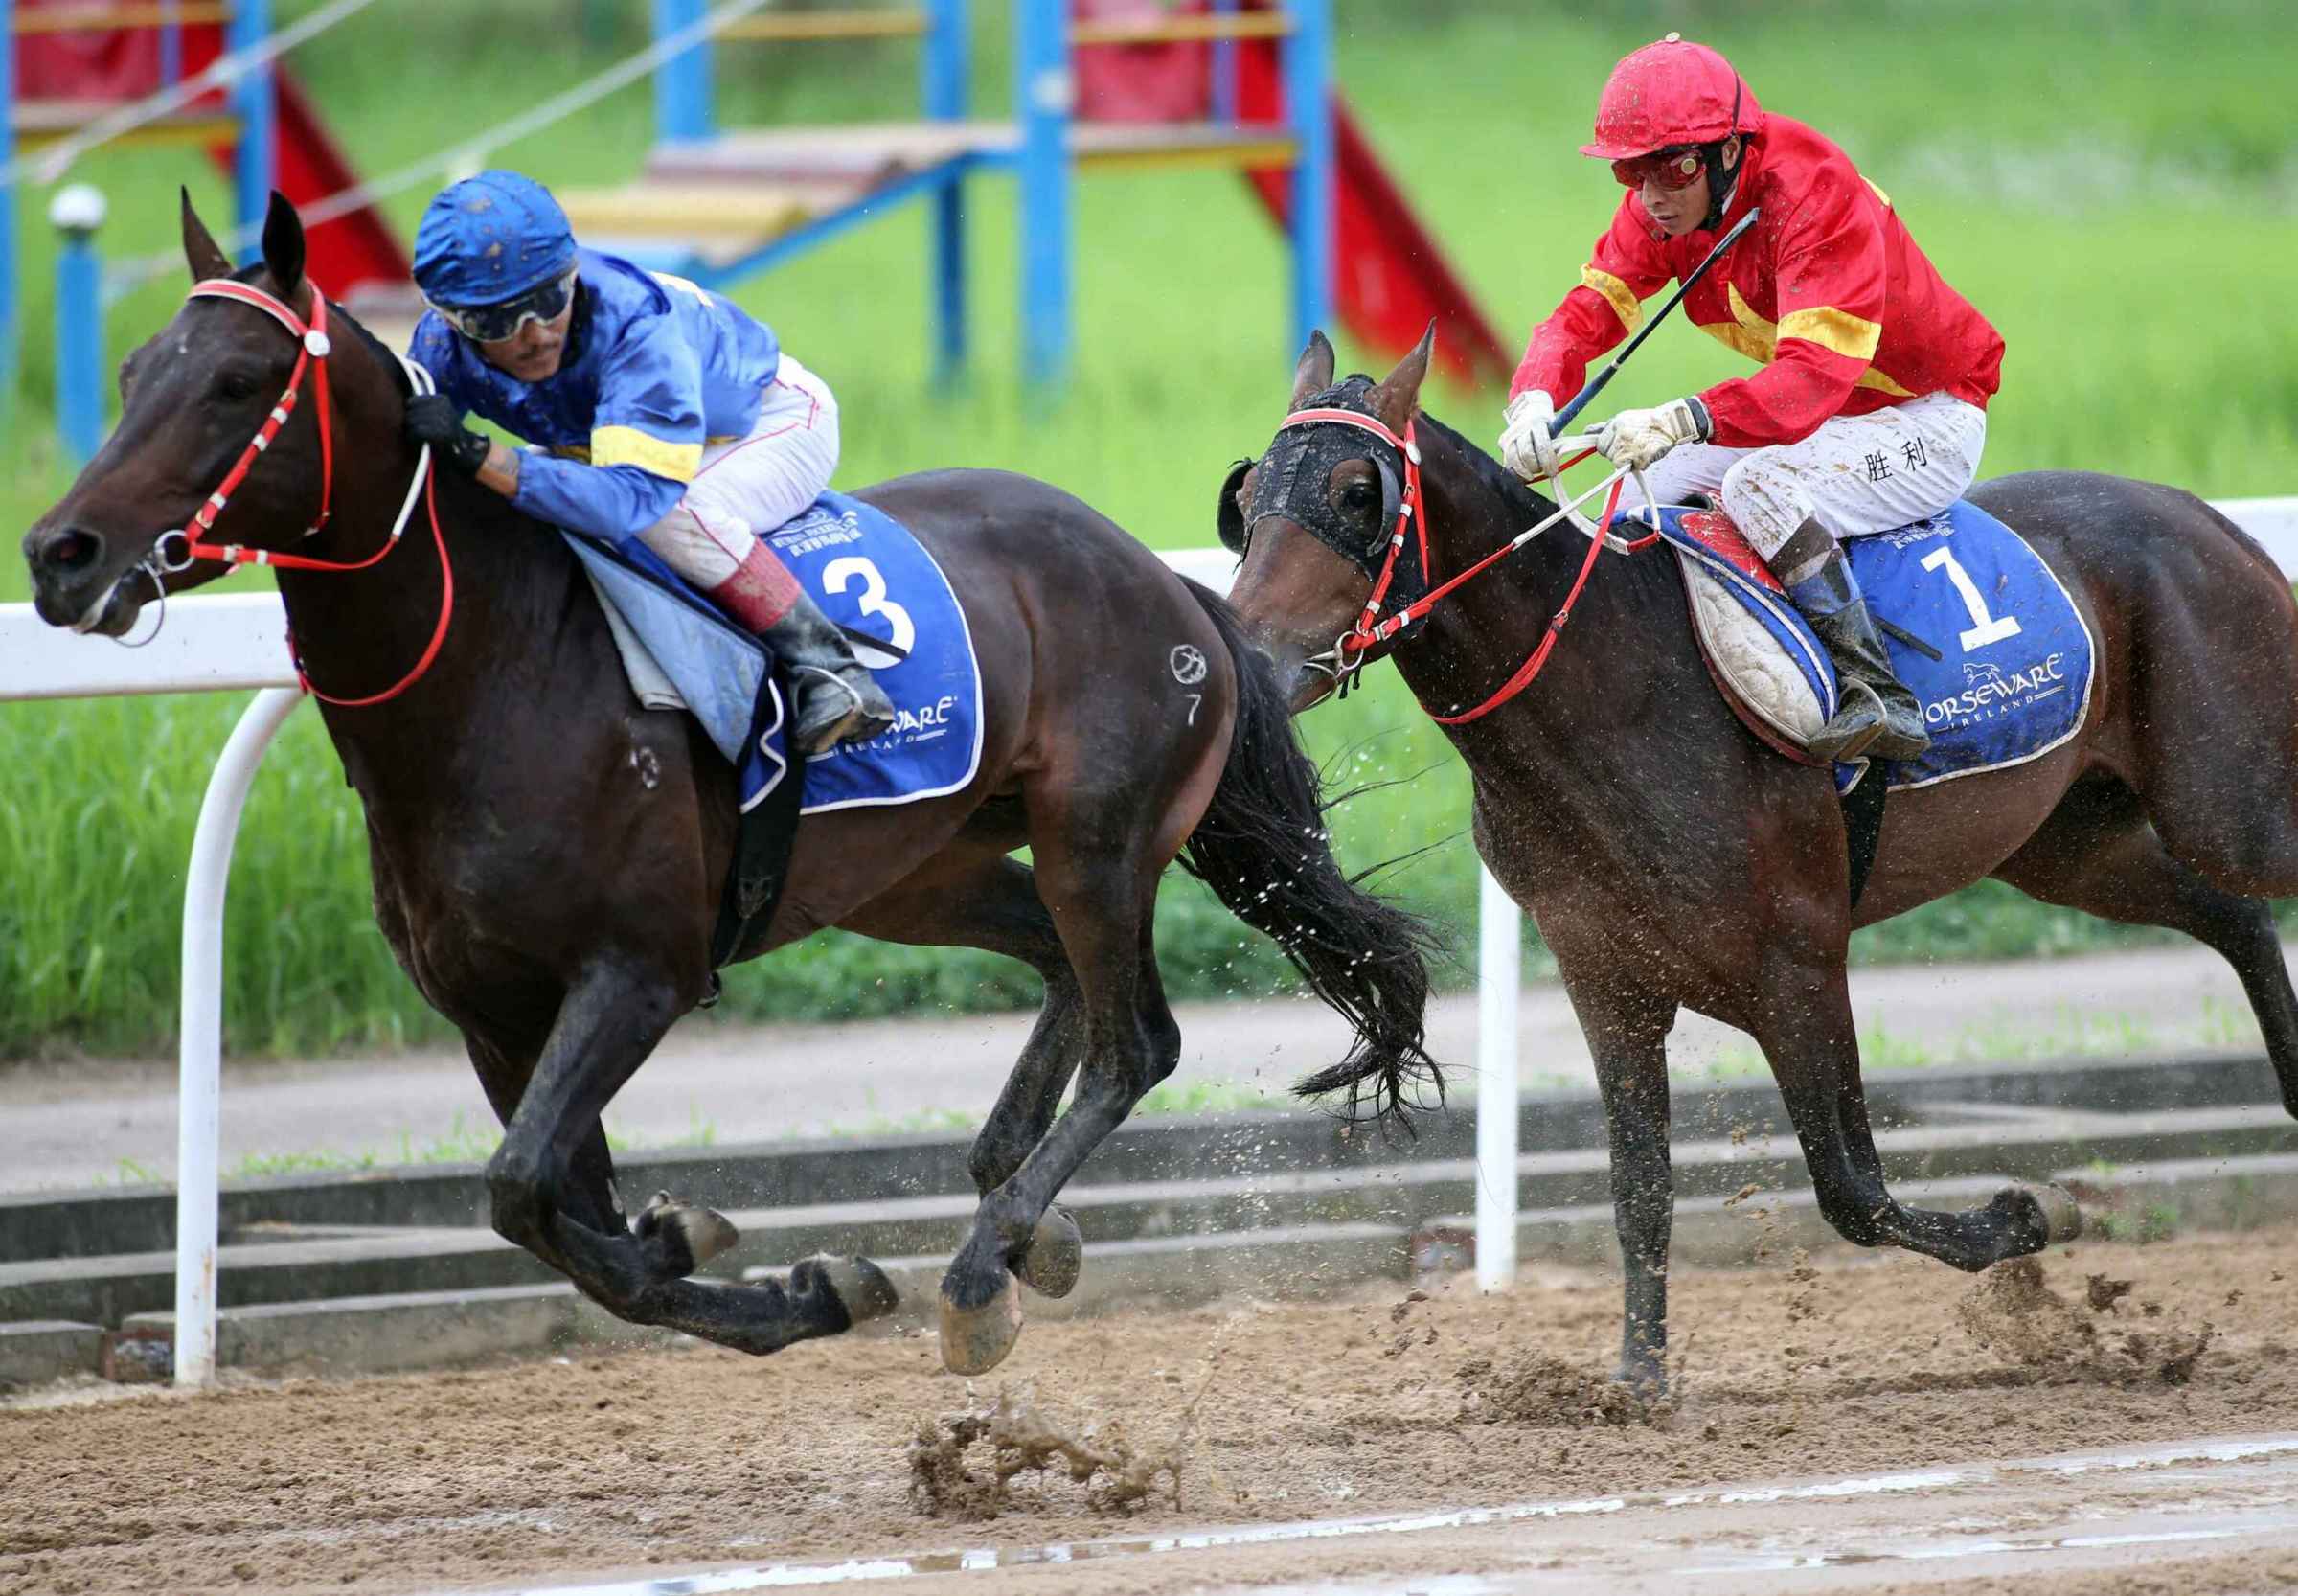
1189,666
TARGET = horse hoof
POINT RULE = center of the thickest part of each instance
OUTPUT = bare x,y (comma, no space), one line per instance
1056,1256
2060,1216
704,1233
860,1286
974,1340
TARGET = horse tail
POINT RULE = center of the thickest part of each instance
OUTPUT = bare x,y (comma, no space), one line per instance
1263,850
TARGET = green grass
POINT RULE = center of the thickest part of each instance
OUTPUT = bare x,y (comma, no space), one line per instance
2114,183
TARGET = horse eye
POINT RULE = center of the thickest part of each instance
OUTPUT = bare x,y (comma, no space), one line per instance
1358,494
234,389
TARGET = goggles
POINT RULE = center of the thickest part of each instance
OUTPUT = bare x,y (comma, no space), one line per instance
492,324
1676,166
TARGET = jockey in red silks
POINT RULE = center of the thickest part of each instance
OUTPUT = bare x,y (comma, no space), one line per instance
1870,409
654,409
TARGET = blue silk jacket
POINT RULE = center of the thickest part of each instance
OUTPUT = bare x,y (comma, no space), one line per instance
654,367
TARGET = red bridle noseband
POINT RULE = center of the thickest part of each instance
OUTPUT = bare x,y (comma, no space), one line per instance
1372,628
312,348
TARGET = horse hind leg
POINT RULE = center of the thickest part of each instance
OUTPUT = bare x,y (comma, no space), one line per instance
1807,1034
605,1028
2099,853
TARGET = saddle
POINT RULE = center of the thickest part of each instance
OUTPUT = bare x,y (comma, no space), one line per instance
1976,624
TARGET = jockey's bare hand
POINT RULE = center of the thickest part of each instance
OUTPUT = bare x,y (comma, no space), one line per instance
1528,435
1636,439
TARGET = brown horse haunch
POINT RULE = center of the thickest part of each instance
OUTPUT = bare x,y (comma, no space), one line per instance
547,855
1673,862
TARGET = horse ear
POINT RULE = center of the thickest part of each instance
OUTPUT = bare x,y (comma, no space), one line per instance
1314,372
200,250
1229,519
1398,398
284,245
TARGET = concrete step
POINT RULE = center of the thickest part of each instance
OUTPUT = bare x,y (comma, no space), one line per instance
382,1332
112,1221
2008,1142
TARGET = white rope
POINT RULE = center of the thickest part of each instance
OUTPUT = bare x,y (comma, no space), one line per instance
47,166
466,153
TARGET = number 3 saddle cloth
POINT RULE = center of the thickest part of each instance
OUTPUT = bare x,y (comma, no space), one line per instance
877,583
2002,661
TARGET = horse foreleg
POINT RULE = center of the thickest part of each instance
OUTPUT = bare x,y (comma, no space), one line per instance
1627,1033
1808,1034
992,904
1104,909
608,1025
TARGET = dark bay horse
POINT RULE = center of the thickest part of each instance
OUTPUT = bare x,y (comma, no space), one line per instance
1671,860
547,857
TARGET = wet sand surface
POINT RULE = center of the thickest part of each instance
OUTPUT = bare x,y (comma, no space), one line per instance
1804,1380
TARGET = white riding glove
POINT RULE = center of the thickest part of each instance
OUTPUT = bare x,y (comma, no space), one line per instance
1528,440
1636,439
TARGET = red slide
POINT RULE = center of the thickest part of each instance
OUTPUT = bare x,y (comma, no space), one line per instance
1392,279
353,251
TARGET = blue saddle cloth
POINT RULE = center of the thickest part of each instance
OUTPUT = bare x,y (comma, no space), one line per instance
2014,679
871,577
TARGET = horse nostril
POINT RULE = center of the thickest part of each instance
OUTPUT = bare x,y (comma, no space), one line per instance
71,550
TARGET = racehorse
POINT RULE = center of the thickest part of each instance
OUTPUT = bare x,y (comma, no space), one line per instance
1671,860
548,856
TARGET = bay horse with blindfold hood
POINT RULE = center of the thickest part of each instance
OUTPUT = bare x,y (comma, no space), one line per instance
548,856
1671,860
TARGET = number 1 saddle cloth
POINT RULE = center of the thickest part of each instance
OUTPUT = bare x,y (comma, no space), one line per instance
871,577
2013,666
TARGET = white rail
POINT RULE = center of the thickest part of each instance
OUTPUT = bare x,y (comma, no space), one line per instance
214,643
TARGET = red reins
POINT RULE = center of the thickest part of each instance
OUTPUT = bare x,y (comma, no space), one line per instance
313,347
1373,629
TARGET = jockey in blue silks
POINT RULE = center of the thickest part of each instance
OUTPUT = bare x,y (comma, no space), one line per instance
654,408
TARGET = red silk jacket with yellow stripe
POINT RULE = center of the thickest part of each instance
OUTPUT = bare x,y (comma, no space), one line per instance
654,367
1828,292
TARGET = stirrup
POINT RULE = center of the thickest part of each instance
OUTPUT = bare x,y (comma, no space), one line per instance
854,719
1855,742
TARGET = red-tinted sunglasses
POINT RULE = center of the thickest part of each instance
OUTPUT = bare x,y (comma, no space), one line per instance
1678,167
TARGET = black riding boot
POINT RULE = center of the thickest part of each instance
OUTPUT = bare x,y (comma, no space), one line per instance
1878,717
837,698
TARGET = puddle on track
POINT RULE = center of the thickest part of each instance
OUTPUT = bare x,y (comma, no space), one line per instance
2238,1459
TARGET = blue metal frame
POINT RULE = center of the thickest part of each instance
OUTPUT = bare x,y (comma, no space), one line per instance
1224,68
683,107
1307,107
830,224
255,163
945,70
1044,93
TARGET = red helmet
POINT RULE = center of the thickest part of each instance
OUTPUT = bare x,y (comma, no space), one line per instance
1671,92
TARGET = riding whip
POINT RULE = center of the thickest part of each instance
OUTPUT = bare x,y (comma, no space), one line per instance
1596,383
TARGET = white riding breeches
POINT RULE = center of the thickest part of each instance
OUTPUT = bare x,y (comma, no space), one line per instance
748,486
1855,475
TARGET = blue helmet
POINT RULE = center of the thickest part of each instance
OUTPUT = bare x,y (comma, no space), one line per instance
490,237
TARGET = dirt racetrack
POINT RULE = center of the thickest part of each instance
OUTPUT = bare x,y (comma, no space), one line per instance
1377,1403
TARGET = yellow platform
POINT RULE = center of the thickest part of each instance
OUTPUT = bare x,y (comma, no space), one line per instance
38,122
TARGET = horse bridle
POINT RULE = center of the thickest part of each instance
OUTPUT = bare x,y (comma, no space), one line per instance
180,548
1350,652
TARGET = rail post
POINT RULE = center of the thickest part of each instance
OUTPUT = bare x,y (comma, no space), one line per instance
1044,95
199,1110
682,105
255,160
1500,978
1307,107
76,213
945,68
